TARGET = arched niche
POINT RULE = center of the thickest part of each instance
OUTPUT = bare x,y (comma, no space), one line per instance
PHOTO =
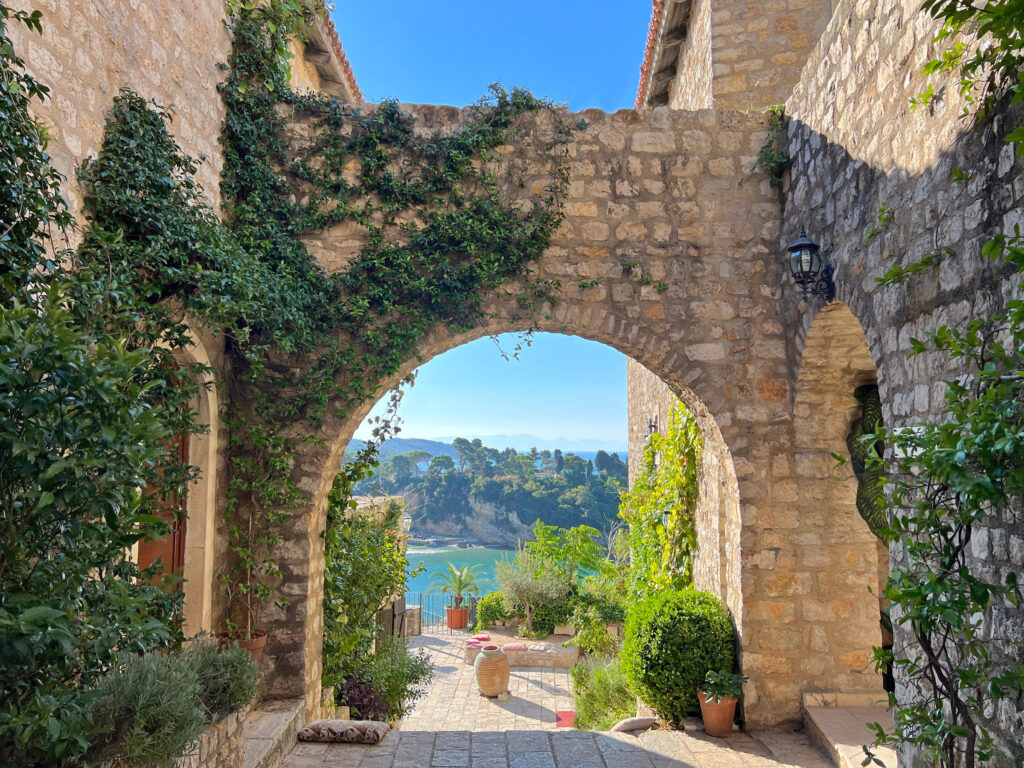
201,503
828,545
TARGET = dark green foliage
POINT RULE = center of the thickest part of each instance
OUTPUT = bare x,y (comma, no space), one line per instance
862,445
147,712
491,608
547,615
987,71
365,567
228,677
399,676
86,412
673,639
948,479
529,483
601,695
438,239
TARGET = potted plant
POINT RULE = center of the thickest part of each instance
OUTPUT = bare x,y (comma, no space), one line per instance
250,579
718,695
459,582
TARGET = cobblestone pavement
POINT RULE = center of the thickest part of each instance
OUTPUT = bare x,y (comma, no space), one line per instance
454,727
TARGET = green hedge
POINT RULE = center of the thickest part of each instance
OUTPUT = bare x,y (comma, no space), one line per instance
491,608
673,638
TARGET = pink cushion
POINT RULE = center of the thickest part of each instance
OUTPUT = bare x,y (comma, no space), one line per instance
481,637
514,647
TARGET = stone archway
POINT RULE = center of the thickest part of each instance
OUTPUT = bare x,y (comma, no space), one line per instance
667,253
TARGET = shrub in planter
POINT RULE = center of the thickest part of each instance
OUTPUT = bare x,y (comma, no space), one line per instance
601,695
228,677
547,615
147,713
491,608
673,639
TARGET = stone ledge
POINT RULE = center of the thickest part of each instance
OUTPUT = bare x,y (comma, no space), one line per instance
841,732
270,732
555,657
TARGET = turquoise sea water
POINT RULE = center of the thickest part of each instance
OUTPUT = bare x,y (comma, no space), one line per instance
436,560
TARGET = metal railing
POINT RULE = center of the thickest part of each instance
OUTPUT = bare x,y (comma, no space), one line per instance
433,613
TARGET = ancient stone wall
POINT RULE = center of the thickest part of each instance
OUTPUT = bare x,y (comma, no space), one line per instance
167,50
664,215
222,744
691,88
758,49
857,145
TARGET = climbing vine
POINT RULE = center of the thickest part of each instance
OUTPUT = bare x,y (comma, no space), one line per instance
660,508
437,237
772,157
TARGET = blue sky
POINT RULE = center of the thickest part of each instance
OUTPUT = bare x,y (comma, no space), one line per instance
587,54
560,387
448,52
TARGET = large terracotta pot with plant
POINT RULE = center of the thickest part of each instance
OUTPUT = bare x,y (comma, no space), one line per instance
718,695
456,617
459,582
249,579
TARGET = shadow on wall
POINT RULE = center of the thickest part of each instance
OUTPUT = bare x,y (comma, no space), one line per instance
873,219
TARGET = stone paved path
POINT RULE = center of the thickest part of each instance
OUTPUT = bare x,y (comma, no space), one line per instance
454,727
455,704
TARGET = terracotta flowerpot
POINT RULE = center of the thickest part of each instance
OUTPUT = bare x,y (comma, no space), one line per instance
254,644
717,715
492,671
457,618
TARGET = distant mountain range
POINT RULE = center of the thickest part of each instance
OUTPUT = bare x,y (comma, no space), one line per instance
399,445
586,449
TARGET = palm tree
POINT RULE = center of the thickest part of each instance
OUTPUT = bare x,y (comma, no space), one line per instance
458,581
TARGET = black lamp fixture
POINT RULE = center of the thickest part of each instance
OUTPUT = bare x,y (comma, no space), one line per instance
652,425
808,271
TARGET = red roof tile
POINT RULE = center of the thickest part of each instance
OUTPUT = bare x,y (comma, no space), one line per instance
653,33
357,95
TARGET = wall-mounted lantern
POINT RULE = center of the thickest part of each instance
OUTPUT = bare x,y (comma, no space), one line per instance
809,273
652,425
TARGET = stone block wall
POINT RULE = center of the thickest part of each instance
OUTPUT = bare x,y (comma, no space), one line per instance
691,88
222,744
167,50
856,146
759,49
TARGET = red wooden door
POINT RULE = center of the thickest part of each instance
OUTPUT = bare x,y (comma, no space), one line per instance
170,549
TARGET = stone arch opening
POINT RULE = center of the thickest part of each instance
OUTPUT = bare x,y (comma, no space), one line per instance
839,565
297,632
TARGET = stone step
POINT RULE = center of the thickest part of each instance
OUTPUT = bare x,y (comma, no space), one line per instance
270,731
842,732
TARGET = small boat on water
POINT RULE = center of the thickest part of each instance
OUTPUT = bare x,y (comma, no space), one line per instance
432,542
462,544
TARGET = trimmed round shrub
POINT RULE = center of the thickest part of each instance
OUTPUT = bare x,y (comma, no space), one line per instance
673,639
